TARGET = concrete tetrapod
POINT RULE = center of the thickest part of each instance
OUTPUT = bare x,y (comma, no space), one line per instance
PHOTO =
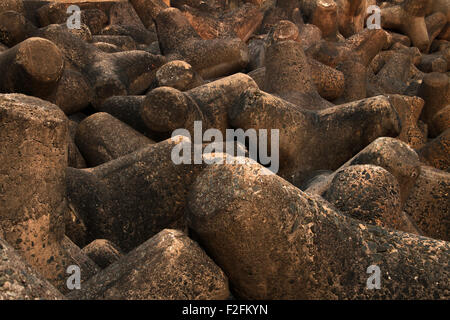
33,160
321,140
282,243
167,266
211,58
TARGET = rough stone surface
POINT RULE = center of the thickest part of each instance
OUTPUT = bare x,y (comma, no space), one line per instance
211,58
370,194
168,266
33,157
179,75
276,242
428,203
102,138
391,154
340,131
130,199
166,109
103,252
436,153
18,281
32,67
100,149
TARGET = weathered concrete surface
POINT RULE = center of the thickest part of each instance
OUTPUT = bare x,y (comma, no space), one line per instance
277,242
130,199
321,140
102,138
103,252
168,266
18,281
370,194
428,203
33,159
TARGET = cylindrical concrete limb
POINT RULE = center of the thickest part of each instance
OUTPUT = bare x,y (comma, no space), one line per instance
217,57
408,17
286,58
435,90
211,58
323,13
355,76
325,17
409,109
428,203
179,75
433,63
439,45
444,7
173,30
33,159
11,5
321,140
309,36
148,10
73,92
351,16
394,74
440,121
166,109
281,243
435,24
441,6
366,45
361,47
123,19
330,83
398,38
34,67
437,151
126,109
370,194
130,199
102,138
389,153
102,252
288,74
14,28
284,30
